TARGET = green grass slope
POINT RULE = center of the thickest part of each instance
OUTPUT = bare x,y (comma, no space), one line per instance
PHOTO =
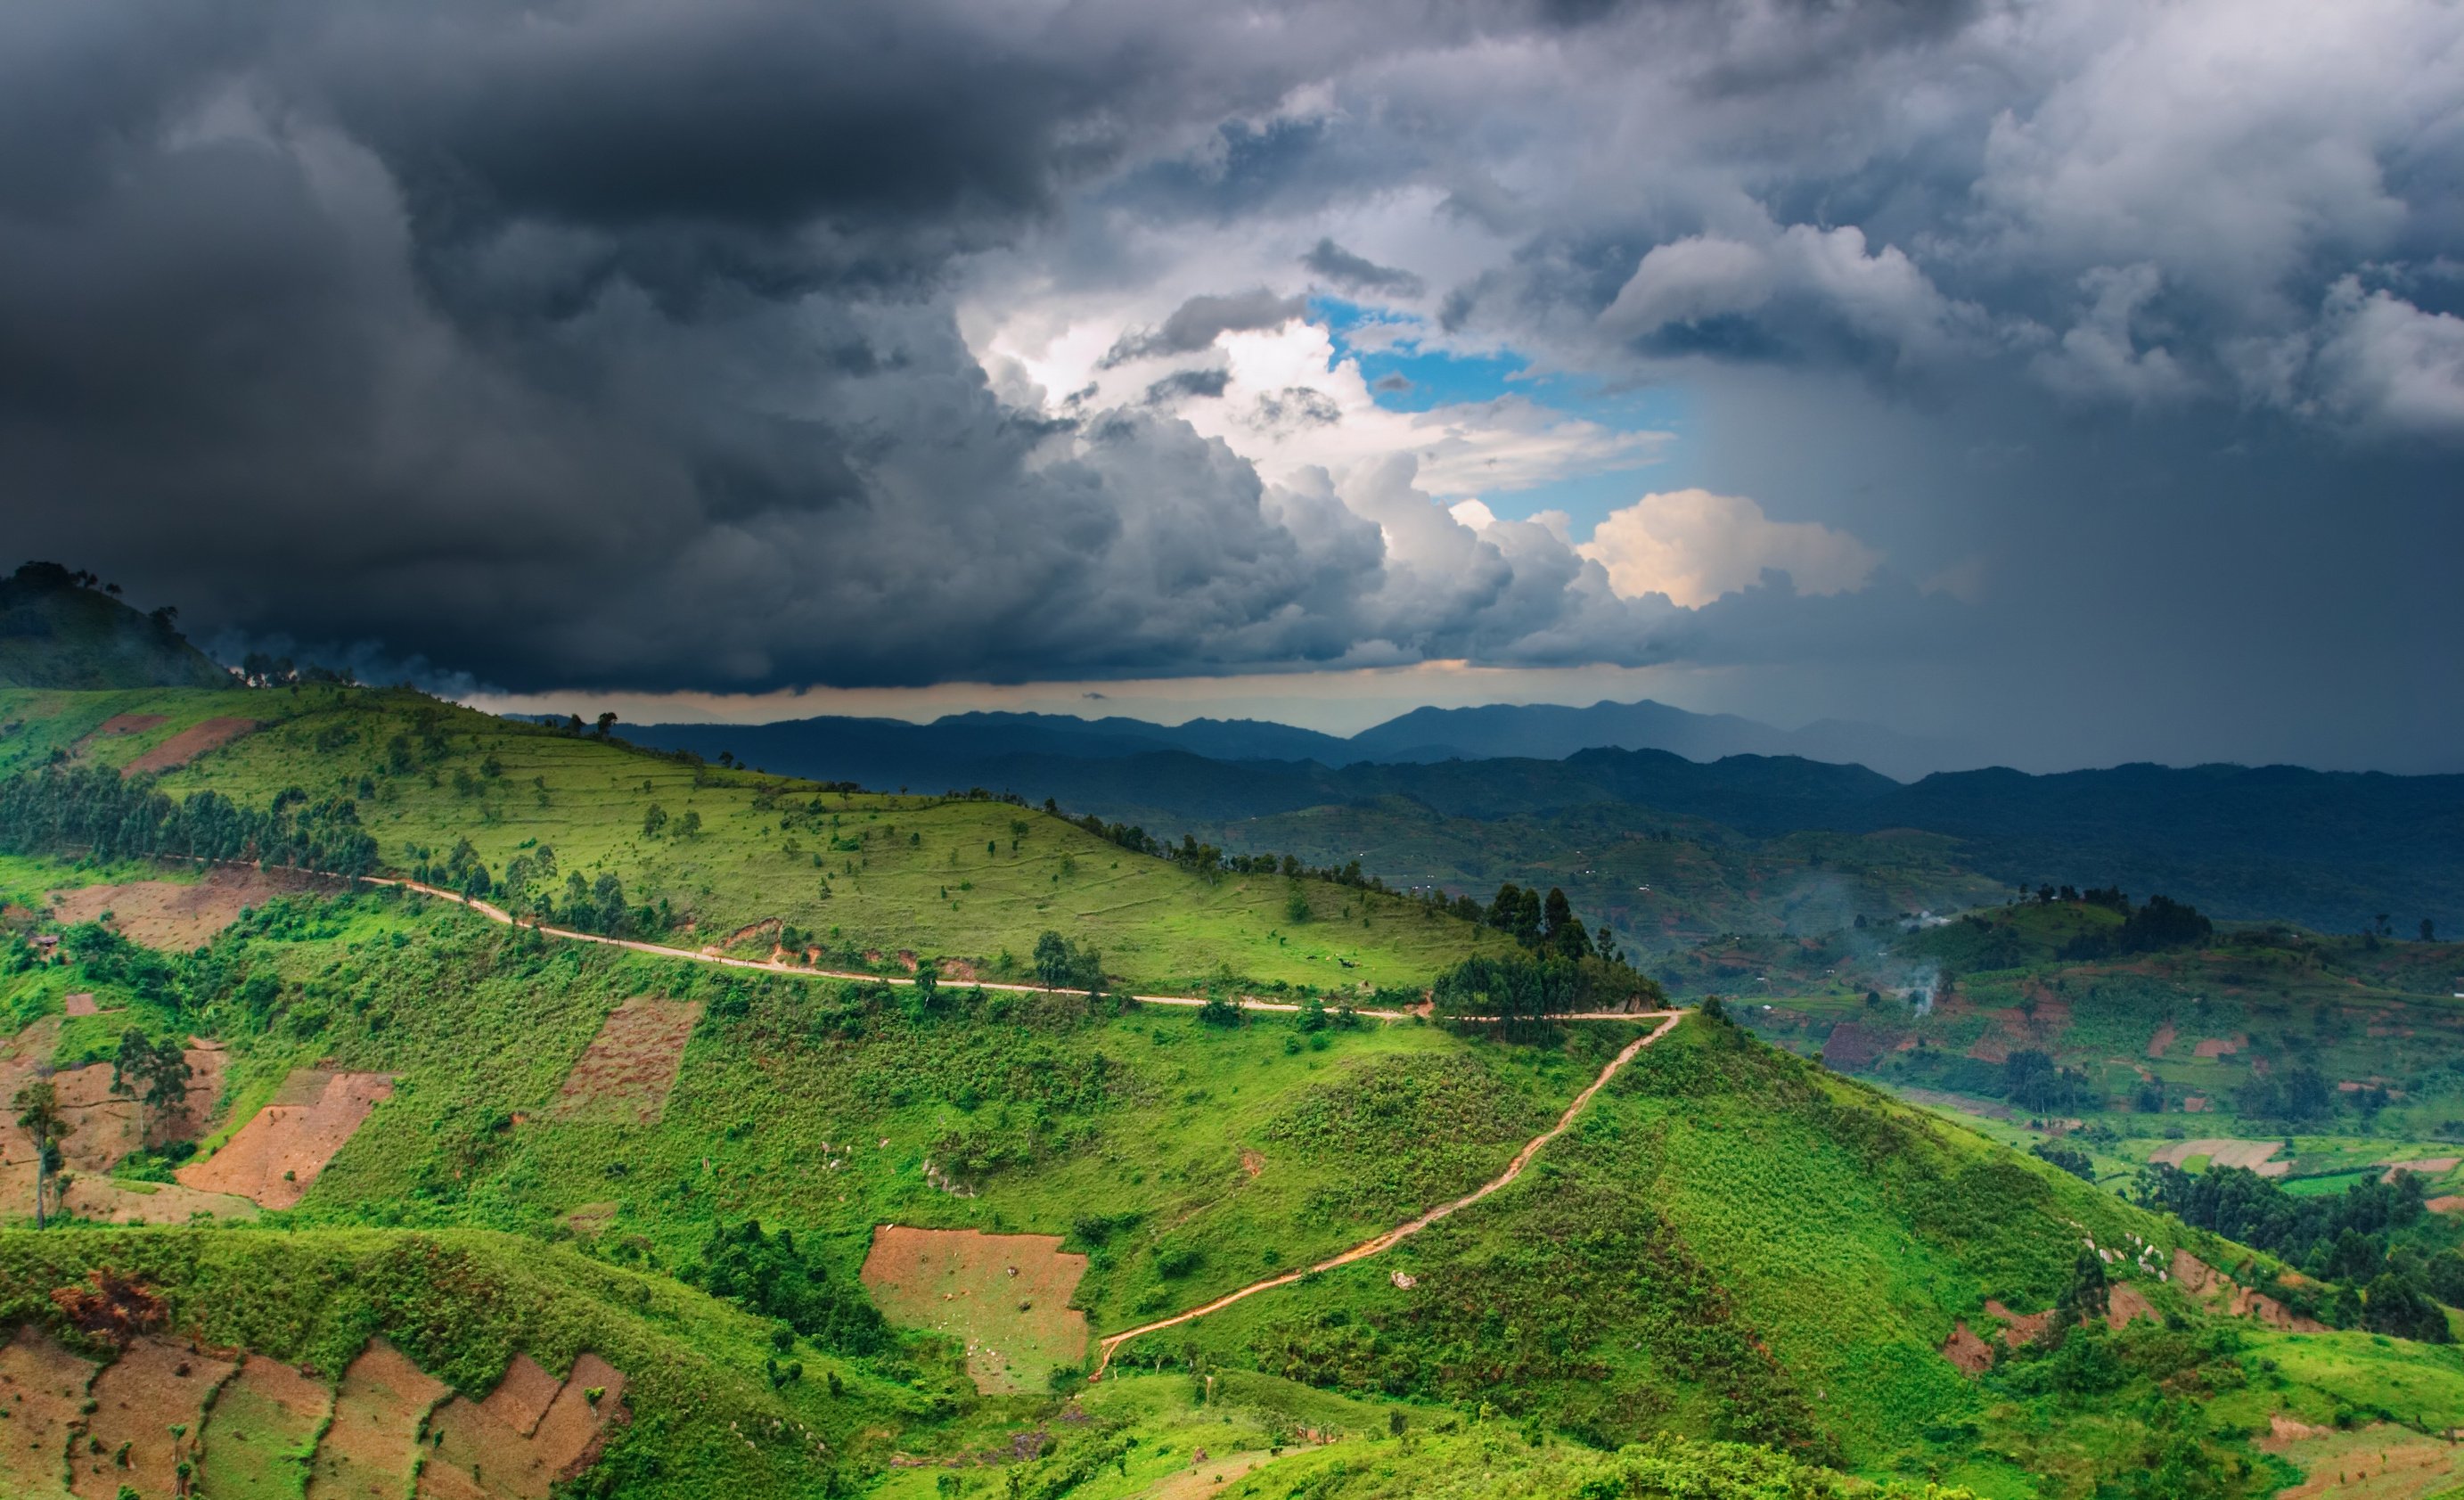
704,1420
854,874
1730,1246
1734,1244
56,632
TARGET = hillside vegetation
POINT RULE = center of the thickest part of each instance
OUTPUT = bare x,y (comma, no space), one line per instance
701,855
58,630
844,1235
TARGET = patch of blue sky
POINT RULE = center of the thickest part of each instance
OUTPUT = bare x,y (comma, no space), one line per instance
1409,371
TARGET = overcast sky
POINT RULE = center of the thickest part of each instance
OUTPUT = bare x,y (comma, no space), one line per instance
2086,379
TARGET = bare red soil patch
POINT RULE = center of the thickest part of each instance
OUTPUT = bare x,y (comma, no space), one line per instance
152,1387
42,1391
377,1411
2163,1039
190,743
277,1154
129,725
108,1126
1004,1296
82,1004
2020,1329
176,914
2125,1305
259,1434
2221,1292
2423,1166
2451,1204
1966,1350
1850,1047
2218,1047
629,1068
530,1433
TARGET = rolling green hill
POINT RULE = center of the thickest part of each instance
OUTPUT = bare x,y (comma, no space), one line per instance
857,876
845,1236
58,631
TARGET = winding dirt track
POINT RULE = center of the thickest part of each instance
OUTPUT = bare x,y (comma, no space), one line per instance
1109,1345
1404,1232
496,913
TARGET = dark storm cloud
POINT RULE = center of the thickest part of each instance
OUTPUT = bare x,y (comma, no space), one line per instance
1196,323
1357,272
619,345
1181,384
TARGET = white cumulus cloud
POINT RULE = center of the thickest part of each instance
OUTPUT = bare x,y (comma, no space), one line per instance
1693,546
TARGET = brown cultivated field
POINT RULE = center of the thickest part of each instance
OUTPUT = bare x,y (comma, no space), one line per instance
2224,1152
129,724
629,1068
175,915
276,1155
377,1414
262,1430
529,1433
152,1387
42,1388
1006,1296
190,743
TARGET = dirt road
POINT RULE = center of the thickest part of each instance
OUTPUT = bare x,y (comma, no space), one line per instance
1404,1232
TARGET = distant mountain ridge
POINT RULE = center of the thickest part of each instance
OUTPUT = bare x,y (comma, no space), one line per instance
1553,731
2331,850
1542,731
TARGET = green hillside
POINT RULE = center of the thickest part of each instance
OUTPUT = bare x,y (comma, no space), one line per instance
1730,1246
59,631
855,877
702,1419
801,1213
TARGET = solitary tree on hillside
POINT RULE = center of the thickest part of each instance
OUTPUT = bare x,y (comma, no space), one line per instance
40,1116
606,725
154,1073
654,822
1051,959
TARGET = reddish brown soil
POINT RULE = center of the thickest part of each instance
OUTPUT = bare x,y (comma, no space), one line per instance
2163,1039
369,1450
2451,1203
42,1386
2218,1047
1966,1350
129,724
2221,1292
188,745
276,1156
153,1386
108,1201
266,1413
2020,1329
1850,1047
2423,1166
521,1398
175,915
1994,1047
629,1068
1005,1295
81,1005
2127,1304
518,1447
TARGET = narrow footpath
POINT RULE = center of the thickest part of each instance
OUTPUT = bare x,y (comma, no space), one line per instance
1111,1345
496,913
